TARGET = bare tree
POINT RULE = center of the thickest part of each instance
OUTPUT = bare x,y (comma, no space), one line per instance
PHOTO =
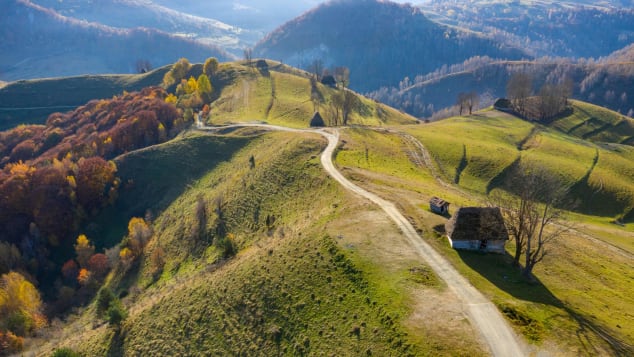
248,55
533,215
143,66
461,101
342,75
473,99
518,89
317,69
467,101
549,101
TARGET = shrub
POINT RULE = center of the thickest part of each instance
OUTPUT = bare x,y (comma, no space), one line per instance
104,298
65,352
116,313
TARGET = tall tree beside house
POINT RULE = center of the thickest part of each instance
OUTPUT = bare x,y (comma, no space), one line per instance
533,214
518,89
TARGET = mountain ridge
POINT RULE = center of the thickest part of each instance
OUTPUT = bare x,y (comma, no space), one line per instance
36,40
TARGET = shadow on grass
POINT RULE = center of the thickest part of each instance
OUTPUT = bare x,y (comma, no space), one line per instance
498,269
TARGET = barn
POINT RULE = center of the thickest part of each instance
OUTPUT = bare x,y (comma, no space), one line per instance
477,228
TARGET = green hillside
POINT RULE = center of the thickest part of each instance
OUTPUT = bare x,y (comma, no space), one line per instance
32,101
281,95
477,151
596,124
582,296
293,288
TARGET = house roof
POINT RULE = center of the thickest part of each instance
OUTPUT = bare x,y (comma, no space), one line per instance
317,120
477,223
438,202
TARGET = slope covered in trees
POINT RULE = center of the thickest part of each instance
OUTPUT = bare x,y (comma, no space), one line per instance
605,83
38,42
381,42
544,28
56,176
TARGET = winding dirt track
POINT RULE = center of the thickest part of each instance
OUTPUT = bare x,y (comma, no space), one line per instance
484,316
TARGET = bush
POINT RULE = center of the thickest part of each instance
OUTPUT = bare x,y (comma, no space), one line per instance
20,323
104,298
116,313
65,352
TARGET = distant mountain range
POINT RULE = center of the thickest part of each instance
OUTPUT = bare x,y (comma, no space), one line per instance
381,42
544,28
134,13
38,42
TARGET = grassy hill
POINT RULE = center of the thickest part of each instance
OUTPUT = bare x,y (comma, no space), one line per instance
296,285
581,300
472,152
282,95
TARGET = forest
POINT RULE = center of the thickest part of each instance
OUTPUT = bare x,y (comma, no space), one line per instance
53,178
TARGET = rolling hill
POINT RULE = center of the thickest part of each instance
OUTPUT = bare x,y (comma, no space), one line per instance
382,42
38,42
255,249
280,94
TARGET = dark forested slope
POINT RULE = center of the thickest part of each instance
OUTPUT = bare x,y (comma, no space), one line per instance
381,42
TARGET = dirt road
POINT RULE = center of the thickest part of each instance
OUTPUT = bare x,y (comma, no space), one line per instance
485,317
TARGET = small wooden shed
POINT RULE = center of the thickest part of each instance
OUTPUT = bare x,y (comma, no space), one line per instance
317,121
477,228
438,205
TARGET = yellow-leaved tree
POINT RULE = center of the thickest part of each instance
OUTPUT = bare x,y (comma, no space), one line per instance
20,305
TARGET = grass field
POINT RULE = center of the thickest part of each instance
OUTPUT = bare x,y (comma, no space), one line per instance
584,288
304,281
596,124
283,97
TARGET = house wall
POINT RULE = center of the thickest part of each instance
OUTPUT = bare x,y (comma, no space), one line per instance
492,246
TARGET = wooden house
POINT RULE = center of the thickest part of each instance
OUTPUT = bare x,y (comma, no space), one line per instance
477,228
438,205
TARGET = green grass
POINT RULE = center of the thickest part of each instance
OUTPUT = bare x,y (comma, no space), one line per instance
490,145
283,97
584,288
291,289
596,124
476,151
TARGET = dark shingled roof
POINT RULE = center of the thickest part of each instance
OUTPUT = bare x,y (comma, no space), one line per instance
438,202
317,120
477,223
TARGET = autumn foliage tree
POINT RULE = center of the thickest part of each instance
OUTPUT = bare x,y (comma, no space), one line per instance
20,305
84,250
139,233
210,67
